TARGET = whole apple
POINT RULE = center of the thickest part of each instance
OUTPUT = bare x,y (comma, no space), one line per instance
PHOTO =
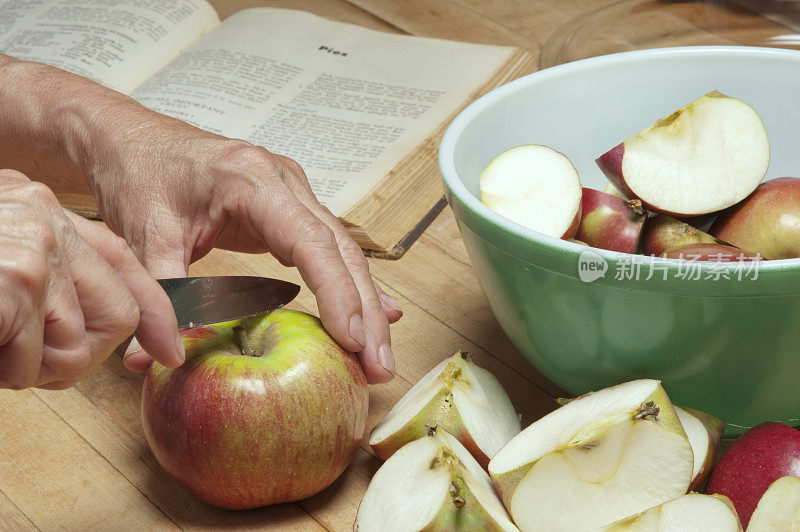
766,222
760,456
265,410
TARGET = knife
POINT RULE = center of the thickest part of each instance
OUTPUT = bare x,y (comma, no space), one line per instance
205,300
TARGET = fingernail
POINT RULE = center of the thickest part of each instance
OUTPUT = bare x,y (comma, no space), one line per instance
386,358
181,349
391,303
357,330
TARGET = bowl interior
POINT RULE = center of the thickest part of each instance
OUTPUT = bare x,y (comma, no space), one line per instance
583,109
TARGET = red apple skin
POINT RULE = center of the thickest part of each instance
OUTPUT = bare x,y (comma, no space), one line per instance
608,222
241,432
760,456
710,252
766,222
662,232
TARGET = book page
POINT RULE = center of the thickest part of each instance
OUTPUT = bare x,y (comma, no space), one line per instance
346,102
118,43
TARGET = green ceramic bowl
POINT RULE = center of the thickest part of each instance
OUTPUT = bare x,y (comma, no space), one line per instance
723,338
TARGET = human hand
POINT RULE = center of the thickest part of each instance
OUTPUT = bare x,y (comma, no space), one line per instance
174,192
70,293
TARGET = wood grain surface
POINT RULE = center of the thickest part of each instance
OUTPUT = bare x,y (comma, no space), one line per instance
77,459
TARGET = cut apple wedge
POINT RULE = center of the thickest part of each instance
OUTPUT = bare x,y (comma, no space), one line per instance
709,513
704,157
459,397
779,508
432,483
600,458
534,186
705,433
662,232
608,222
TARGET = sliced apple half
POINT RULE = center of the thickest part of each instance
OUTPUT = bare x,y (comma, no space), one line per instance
705,433
432,483
704,157
779,508
600,458
709,513
458,396
534,186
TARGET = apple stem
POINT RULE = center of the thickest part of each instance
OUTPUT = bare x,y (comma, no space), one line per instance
647,410
635,206
244,343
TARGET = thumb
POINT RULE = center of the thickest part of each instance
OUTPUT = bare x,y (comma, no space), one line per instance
160,266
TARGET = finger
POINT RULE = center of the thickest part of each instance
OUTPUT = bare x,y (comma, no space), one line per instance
110,311
66,353
390,307
135,359
298,237
157,332
376,357
22,296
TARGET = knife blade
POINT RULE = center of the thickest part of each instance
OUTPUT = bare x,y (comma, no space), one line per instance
205,300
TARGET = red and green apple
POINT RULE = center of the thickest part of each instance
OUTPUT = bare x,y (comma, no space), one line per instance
264,410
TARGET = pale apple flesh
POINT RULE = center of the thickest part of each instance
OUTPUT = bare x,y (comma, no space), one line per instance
242,431
662,232
705,434
711,253
432,483
457,396
704,157
534,186
608,222
709,513
779,507
766,222
598,459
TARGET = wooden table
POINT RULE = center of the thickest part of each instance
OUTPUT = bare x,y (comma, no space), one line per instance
77,459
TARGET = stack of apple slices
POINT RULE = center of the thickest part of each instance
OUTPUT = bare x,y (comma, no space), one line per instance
457,396
433,483
600,458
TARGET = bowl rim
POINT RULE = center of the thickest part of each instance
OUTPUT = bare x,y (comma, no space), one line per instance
456,186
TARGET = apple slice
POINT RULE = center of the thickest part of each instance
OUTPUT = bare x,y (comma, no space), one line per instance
432,483
710,252
766,222
599,458
779,508
705,433
534,186
458,396
662,232
704,157
608,222
709,513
